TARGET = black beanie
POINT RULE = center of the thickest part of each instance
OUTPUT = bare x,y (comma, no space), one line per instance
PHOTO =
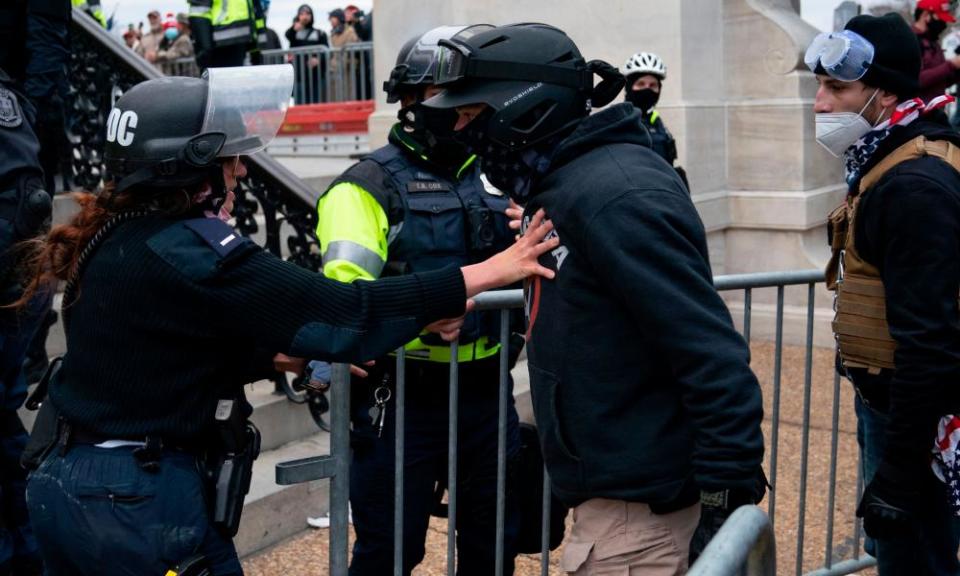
896,58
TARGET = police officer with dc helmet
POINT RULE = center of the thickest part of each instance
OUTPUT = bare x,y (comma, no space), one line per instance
168,312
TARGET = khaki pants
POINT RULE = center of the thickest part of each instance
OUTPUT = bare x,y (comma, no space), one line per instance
618,538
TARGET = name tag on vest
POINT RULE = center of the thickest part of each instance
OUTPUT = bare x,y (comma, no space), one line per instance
421,186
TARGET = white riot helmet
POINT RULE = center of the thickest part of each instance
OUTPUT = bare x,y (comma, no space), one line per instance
645,63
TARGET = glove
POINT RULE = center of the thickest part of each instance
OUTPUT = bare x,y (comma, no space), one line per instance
711,519
716,507
888,505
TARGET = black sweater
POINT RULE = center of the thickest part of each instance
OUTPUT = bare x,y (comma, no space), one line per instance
164,326
641,385
908,226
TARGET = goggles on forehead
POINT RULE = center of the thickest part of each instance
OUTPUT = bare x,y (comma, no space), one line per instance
844,55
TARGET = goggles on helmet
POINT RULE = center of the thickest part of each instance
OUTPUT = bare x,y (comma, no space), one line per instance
458,62
420,65
844,55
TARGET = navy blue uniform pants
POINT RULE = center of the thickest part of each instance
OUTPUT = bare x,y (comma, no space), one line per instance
95,511
427,425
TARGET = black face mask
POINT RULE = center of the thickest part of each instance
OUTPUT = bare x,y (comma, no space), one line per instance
511,171
935,28
644,99
432,128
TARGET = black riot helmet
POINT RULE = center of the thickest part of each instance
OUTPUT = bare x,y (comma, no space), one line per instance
420,56
532,76
169,132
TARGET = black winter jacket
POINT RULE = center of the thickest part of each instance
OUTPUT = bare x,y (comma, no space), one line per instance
641,385
908,226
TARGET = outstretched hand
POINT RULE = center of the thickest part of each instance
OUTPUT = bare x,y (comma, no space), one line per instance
519,261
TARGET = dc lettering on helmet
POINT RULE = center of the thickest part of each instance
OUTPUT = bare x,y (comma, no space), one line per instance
120,126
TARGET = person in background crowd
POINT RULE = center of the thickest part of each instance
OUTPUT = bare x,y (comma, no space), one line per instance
223,31
342,63
937,73
170,32
645,73
363,25
310,68
132,39
268,40
180,47
895,269
150,42
648,413
92,7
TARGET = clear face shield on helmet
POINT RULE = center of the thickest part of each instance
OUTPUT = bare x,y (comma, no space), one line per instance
247,104
844,55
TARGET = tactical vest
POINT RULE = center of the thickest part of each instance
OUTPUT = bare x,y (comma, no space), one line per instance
860,324
442,222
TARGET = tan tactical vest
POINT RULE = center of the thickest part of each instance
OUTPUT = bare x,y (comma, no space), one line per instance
860,324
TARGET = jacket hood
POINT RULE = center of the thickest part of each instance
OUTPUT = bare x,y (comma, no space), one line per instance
617,124
309,10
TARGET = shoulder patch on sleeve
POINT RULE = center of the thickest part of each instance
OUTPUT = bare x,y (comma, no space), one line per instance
196,247
217,234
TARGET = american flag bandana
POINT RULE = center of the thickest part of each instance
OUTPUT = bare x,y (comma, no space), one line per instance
859,154
946,460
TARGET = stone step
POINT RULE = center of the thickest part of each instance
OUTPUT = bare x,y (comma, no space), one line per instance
273,513
280,421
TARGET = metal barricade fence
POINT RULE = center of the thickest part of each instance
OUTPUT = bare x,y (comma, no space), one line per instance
325,74
744,545
321,74
180,67
746,541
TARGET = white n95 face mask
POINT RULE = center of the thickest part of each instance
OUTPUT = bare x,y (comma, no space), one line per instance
837,131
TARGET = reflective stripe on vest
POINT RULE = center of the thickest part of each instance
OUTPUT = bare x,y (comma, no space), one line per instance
356,254
233,34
